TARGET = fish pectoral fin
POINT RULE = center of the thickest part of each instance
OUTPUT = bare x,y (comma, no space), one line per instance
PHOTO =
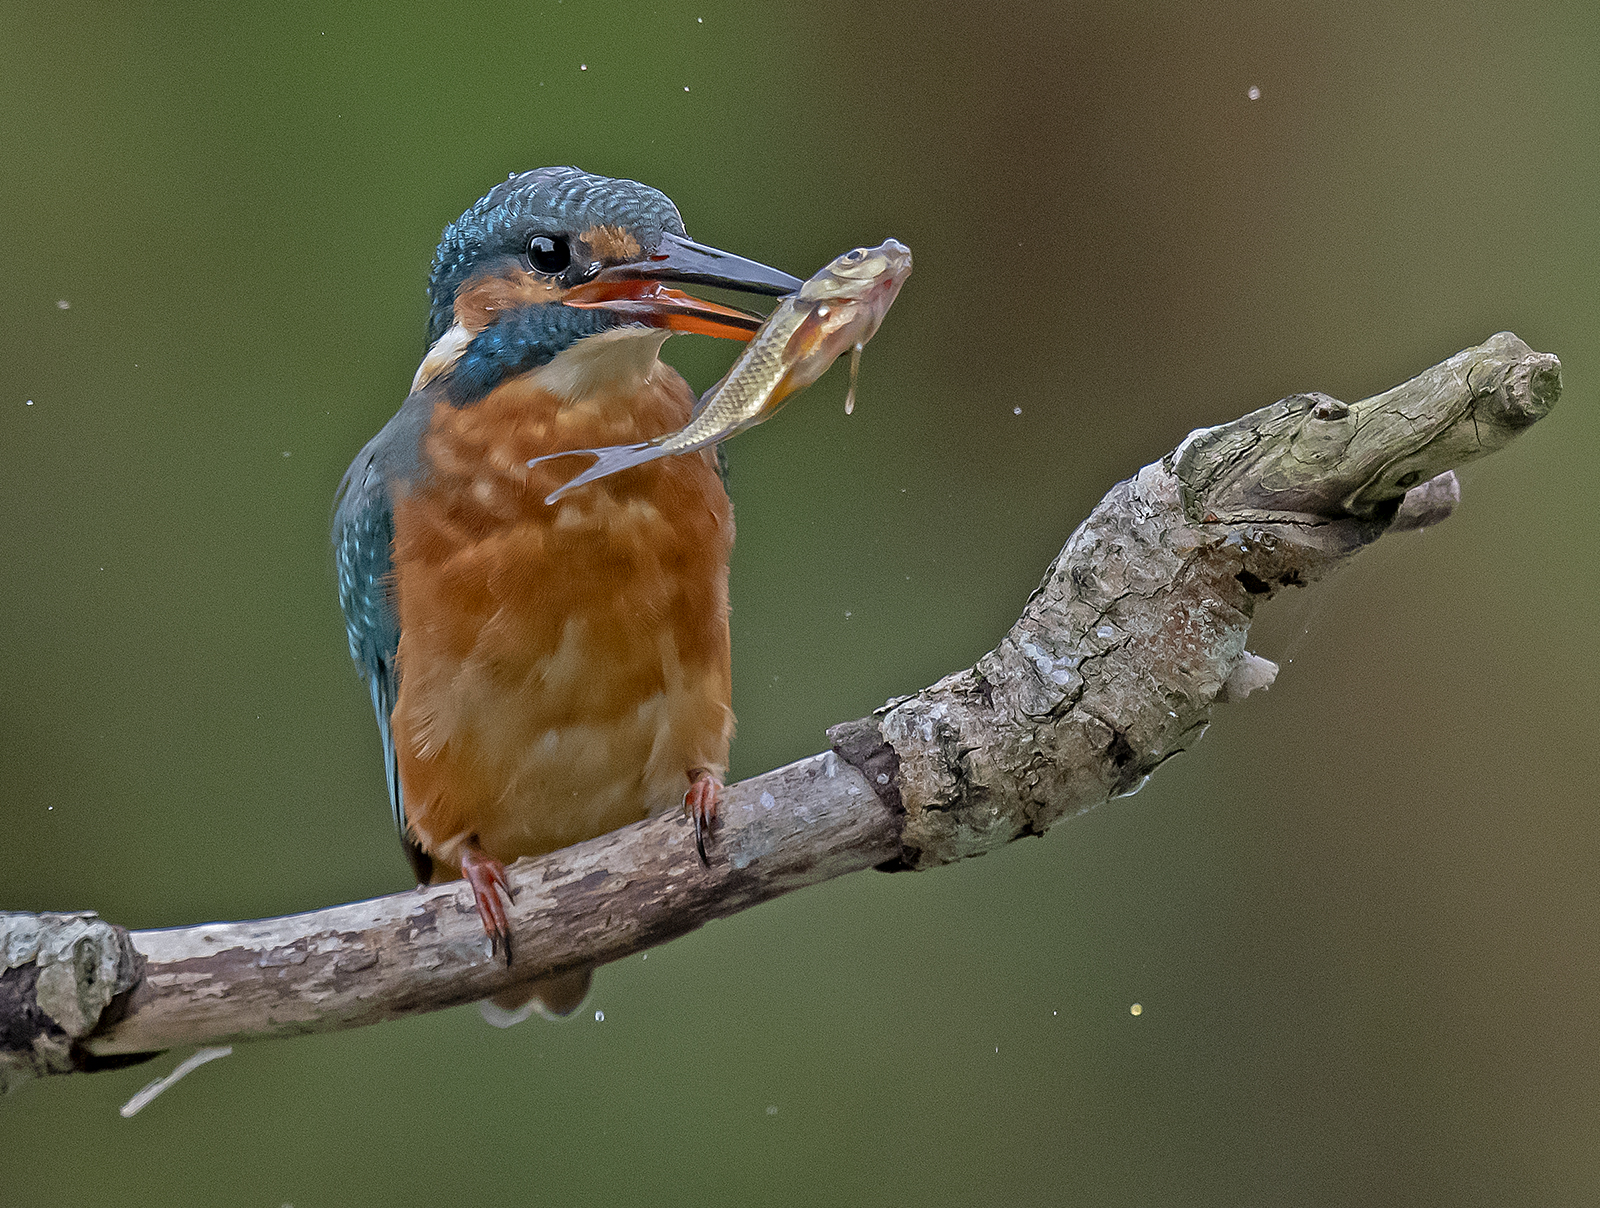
855,373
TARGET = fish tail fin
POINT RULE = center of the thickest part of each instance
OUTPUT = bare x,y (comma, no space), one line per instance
606,461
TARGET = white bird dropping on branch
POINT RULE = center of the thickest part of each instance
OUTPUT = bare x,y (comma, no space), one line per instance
1250,674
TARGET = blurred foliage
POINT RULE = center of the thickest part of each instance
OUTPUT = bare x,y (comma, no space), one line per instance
1360,917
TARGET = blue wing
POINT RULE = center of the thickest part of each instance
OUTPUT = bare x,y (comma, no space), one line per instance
363,535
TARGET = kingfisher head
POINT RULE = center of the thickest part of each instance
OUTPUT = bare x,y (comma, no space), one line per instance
556,258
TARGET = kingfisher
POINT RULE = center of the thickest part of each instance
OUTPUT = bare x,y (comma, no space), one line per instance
541,673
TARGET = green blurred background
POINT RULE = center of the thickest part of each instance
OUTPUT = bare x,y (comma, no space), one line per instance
1361,917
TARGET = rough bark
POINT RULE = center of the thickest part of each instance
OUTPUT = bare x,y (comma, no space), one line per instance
1136,632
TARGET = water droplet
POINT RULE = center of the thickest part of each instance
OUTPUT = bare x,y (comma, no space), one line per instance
1016,411
1253,93
686,88
30,402
583,67
63,304
600,1016
1136,1009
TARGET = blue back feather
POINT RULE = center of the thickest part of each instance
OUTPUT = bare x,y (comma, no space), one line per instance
363,534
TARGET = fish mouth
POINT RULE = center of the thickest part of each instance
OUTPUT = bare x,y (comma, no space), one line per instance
639,290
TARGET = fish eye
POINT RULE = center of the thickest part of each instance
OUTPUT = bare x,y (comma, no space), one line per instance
852,256
549,254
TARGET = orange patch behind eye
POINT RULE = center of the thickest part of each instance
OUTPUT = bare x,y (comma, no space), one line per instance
612,244
481,299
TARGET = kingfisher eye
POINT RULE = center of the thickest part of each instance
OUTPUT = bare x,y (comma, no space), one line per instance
549,254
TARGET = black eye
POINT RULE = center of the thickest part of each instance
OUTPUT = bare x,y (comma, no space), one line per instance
549,254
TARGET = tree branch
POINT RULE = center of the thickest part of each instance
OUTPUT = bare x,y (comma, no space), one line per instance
1137,630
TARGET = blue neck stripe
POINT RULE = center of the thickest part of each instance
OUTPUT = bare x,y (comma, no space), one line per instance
518,341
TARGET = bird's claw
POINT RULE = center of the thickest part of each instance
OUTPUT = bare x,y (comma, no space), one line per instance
487,876
701,802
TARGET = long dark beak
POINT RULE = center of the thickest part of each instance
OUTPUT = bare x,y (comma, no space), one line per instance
638,289
685,262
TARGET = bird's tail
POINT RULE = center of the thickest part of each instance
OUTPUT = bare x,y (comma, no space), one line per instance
554,997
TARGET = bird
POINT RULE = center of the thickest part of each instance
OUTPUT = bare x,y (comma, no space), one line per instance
543,674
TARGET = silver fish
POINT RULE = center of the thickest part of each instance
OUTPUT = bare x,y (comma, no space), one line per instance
837,309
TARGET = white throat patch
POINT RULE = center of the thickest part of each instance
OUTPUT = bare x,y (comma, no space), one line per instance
621,359
446,351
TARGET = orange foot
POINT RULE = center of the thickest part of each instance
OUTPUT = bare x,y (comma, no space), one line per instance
487,876
701,802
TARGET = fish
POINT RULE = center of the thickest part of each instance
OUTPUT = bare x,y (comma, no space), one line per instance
840,307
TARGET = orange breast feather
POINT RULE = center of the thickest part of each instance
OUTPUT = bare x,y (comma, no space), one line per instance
561,667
